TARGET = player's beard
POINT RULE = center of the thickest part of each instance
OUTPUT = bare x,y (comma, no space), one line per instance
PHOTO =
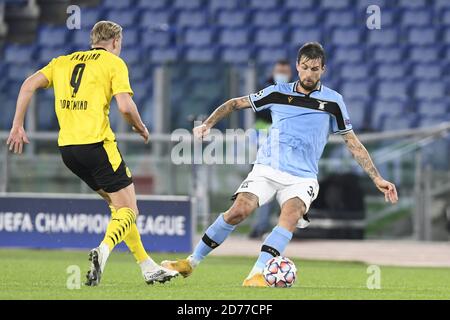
309,87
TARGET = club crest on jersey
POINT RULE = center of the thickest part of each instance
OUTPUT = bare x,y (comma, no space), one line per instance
322,104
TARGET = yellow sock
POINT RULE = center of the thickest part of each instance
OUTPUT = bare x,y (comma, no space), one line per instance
133,241
119,227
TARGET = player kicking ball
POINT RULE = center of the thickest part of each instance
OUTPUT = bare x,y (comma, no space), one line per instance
304,113
84,83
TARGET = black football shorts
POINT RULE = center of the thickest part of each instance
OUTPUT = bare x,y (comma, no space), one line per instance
100,165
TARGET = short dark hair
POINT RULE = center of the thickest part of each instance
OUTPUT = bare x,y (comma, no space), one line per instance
312,51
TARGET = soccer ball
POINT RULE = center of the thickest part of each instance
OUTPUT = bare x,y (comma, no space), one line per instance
280,272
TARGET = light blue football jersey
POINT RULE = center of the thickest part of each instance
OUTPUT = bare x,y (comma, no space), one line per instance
300,127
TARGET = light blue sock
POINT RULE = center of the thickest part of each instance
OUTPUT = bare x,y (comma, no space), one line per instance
278,239
213,237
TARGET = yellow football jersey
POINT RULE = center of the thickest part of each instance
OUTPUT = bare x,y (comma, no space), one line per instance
84,83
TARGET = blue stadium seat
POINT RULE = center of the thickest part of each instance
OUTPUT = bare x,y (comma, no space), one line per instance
19,72
303,35
357,109
131,55
424,54
362,5
151,38
385,37
446,36
445,17
7,111
416,4
228,18
392,90
446,53
356,89
389,54
162,55
140,89
427,121
45,54
267,18
300,5
81,39
433,107
114,4
199,36
187,4
237,55
334,4
270,37
270,55
416,18
125,18
138,72
339,18
130,37
154,19
391,71
441,4
429,71
220,5
353,54
46,116
201,54
346,36
191,19
426,90
52,36
302,18
351,71
19,53
234,37
89,17
422,36
264,4
153,4
401,122
386,108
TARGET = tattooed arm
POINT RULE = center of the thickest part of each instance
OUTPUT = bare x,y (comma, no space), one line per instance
361,155
221,112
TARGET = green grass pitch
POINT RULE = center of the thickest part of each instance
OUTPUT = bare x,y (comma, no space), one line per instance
42,274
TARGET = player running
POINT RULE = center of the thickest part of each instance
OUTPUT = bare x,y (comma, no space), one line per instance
84,83
303,112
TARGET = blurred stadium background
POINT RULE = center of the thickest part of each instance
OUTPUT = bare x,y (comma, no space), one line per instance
185,57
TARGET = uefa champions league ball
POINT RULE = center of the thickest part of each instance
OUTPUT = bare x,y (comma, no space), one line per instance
280,272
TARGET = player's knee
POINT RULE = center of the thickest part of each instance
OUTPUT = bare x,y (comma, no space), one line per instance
294,211
238,212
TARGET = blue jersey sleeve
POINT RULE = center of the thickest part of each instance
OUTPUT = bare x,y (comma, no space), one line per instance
348,126
257,99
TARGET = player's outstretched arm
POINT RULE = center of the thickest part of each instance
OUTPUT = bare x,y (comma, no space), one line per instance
129,111
221,112
17,136
361,155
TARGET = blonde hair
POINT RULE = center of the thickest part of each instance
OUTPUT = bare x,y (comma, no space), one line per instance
105,31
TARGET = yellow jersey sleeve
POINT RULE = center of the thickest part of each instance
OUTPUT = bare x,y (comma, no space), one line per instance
120,82
47,71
